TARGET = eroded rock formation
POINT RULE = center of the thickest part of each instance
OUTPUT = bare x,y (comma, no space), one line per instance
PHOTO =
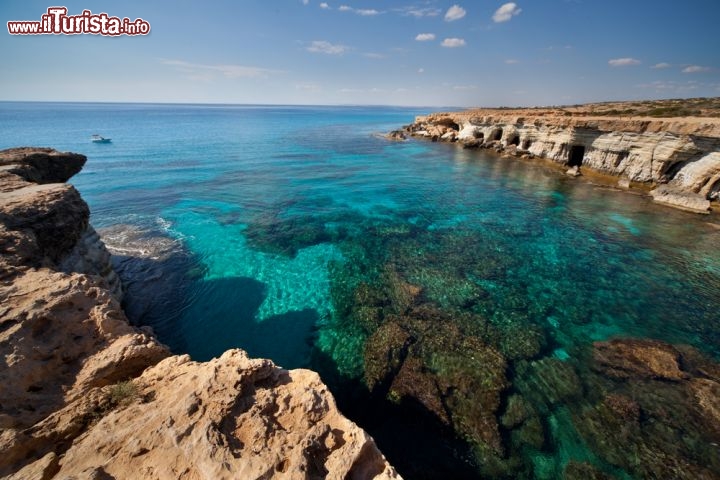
85,395
680,154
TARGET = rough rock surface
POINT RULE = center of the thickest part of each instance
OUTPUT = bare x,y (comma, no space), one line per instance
458,379
658,412
682,199
85,395
231,417
683,152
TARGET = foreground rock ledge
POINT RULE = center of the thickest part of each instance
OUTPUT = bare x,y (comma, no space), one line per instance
85,395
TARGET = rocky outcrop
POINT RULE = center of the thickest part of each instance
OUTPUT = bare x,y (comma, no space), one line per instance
231,417
85,395
658,409
422,358
681,154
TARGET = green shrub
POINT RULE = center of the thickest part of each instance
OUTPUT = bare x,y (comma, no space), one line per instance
123,393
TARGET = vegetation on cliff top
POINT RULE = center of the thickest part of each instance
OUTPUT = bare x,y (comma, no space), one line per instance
670,108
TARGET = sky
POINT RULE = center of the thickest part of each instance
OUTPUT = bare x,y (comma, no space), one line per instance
461,53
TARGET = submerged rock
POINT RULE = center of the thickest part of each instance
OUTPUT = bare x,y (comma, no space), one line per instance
518,410
423,358
547,382
397,135
657,414
575,470
638,359
287,236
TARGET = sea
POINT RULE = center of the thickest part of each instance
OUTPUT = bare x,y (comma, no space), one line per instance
297,232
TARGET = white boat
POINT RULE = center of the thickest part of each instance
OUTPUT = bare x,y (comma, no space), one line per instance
99,139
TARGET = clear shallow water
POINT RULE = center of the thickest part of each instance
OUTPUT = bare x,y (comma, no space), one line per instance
277,217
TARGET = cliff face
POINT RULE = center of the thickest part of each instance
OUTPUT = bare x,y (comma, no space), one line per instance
680,155
85,395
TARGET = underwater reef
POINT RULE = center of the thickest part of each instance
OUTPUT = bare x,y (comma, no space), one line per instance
431,329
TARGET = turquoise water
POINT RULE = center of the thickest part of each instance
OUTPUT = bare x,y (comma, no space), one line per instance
289,231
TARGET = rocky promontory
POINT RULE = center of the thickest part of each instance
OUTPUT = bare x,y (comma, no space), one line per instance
83,394
671,148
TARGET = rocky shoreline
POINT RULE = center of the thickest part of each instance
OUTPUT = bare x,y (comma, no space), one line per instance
676,159
83,394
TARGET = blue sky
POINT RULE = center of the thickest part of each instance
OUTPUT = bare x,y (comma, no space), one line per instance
424,53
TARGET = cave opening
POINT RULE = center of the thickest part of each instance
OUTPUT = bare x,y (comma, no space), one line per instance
497,135
514,140
577,153
526,144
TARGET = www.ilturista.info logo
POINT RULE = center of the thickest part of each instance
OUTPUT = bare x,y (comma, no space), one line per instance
57,22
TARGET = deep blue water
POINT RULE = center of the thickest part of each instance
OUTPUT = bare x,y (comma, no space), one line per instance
256,222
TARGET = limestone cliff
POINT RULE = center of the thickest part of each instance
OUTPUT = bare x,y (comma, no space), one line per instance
85,395
681,156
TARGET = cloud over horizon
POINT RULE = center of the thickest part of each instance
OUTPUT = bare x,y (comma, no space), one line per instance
623,62
695,69
322,46
506,12
453,42
365,12
456,12
424,37
418,12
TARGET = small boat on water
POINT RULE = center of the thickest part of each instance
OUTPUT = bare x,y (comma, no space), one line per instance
99,139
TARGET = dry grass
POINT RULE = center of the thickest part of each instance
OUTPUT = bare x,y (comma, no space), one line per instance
690,107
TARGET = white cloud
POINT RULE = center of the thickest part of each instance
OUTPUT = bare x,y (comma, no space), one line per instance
453,42
506,12
424,37
661,65
511,61
365,12
324,5
695,69
321,46
623,62
419,12
197,71
374,55
421,70
456,12
305,2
